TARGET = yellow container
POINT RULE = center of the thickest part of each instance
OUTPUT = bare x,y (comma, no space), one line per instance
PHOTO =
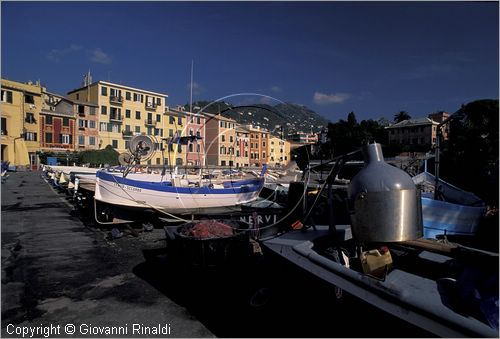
375,263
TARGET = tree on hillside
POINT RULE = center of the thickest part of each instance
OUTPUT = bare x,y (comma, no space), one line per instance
473,146
401,116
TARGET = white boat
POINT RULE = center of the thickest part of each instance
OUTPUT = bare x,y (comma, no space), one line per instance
457,213
176,196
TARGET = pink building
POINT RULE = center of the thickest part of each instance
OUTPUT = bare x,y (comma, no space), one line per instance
195,150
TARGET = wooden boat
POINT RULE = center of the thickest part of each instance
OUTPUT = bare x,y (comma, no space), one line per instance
176,196
456,213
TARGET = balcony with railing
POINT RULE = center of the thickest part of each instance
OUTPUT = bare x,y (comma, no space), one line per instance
127,134
151,106
117,100
117,118
150,122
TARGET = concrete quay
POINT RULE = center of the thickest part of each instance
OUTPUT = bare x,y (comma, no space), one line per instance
56,271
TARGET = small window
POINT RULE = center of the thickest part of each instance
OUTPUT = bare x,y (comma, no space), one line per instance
104,91
48,138
29,99
158,101
104,110
137,114
171,120
92,141
114,143
198,120
81,140
137,129
127,113
127,96
65,121
7,96
158,118
81,109
179,120
92,123
77,96
65,139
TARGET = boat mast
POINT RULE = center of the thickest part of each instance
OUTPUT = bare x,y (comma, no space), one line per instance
191,94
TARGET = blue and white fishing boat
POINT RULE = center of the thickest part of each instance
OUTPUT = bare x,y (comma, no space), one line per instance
177,195
455,212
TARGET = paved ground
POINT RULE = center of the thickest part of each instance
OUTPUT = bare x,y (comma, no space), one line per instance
56,270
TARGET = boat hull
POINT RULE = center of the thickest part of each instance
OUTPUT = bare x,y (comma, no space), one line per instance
163,197
440,217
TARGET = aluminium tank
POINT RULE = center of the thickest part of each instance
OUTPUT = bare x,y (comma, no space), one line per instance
385,203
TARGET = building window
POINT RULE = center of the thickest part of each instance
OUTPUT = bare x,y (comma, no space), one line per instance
198,148
222,138
158,101
30,136
65,139
48,120
198,120
223,163
104,110
190,147
222,124
114,143
104,91
81,140
29,99
179,120
198,134
92,110
138,97
127,95
170,132
158,118
7,96
81,109
171,120
4,126
103,126
48,138
30,118
158,161
65,121
91,140
92,123
77,96
137,129
137,114
127,113
230,138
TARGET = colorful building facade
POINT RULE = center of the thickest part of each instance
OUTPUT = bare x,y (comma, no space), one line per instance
21,104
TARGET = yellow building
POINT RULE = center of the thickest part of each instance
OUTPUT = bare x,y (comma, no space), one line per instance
279,152
20,113
125,111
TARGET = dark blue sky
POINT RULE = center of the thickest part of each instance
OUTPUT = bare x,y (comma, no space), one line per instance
334,57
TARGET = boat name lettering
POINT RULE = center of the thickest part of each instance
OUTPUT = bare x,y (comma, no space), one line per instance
128,188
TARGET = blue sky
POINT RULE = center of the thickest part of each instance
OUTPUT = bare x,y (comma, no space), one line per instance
334,57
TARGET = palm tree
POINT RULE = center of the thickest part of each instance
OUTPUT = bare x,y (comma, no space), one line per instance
401,116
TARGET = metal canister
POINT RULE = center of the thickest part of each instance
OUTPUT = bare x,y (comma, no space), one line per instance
385,203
